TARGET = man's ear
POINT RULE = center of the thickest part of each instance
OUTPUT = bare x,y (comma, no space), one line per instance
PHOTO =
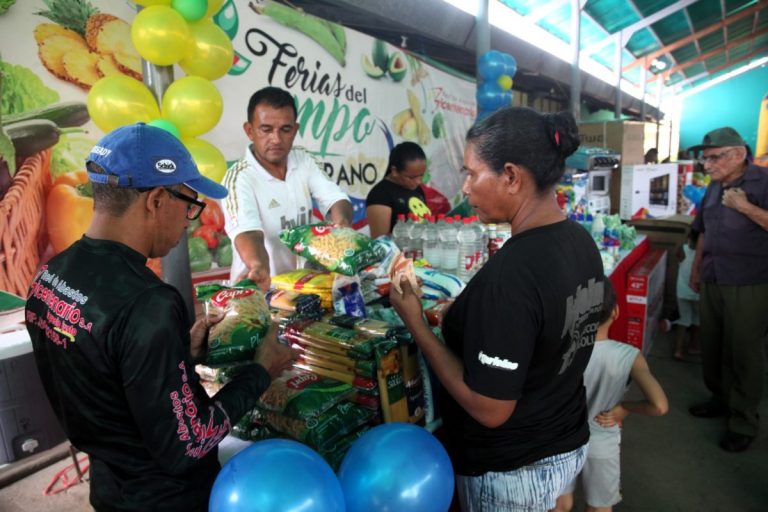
155,199
248,129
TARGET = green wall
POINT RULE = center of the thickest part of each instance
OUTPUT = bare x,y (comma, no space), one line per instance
735,103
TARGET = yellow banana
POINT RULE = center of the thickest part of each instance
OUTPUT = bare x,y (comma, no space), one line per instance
399,120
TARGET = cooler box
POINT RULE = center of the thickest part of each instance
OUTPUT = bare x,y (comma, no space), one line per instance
645,296
27,422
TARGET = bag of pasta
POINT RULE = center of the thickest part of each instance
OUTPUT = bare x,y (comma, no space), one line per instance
335,248
245,323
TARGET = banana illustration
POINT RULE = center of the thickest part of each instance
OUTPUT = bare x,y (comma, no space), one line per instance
400,119
330,36
422,129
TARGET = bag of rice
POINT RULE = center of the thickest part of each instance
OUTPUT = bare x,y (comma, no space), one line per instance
245,323
336,248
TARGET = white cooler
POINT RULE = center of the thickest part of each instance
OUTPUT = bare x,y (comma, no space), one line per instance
27,422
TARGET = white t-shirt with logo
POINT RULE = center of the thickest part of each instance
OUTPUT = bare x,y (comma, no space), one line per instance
257,201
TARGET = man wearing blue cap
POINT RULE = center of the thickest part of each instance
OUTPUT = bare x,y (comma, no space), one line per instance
113,342
731,270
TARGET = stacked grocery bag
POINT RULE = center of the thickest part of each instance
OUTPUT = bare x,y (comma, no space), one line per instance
356,365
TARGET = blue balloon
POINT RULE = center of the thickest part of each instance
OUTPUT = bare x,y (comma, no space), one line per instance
397,467
491,66
490,96
277,475
510,64
694,194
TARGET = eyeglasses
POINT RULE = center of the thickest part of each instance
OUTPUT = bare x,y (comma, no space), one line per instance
713,158
194,207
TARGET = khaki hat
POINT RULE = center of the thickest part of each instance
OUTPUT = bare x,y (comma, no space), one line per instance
721,137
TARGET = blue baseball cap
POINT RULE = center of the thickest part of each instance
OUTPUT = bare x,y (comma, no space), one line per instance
143,156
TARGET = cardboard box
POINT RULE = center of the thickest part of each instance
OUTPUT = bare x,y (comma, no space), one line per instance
668,234
652,188
624,137
645,296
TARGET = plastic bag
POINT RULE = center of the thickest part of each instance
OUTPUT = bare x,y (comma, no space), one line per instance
301,394
307,281
347,296
338,249
246,320
332,339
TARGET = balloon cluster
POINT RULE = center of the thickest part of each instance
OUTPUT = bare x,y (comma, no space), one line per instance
167,32
396,466
495,71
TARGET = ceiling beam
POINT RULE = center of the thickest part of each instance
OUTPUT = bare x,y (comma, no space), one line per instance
696,35
736,42
545,10
678,85
644,22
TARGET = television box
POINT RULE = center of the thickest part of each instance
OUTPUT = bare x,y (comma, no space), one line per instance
624,137
645,296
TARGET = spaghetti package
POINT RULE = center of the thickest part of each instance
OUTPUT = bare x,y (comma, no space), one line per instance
245,323
301,394
307,281
332,339
394,404
326,429
336,248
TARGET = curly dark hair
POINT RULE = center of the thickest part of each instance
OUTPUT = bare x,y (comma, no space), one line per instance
522,136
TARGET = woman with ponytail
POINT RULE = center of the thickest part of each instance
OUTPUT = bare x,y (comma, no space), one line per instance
518,338
400,191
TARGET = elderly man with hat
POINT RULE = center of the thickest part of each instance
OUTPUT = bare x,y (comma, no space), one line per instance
731,272
113,343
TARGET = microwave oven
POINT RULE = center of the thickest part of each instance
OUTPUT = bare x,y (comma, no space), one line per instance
648,190
599,183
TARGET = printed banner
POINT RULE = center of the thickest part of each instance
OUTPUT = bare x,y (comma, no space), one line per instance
356,96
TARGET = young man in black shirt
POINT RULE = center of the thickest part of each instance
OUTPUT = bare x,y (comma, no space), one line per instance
113,342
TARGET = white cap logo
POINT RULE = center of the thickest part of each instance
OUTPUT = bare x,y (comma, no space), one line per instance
166,166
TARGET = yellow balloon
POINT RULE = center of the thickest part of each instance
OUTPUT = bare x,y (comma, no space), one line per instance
210,162
160,35
193,104
505,82
118,100
148,3
213,7
211,53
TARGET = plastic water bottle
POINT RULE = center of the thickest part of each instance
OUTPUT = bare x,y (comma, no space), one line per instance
400,234
467,237
477,227
417,238
598,229
450,245
431,239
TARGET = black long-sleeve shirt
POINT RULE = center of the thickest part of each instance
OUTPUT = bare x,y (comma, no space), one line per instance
111,341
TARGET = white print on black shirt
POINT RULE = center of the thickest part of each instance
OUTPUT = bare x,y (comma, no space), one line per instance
201,438
578,307
496,362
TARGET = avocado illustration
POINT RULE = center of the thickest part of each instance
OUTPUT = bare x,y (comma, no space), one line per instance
438,126
370,68
397,66
380,55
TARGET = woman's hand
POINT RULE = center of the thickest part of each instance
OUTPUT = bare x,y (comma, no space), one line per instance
407,304
198,334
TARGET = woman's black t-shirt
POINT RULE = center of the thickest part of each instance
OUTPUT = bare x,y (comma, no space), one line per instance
524,328
401,200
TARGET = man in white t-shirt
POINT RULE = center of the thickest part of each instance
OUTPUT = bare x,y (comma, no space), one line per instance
271,189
